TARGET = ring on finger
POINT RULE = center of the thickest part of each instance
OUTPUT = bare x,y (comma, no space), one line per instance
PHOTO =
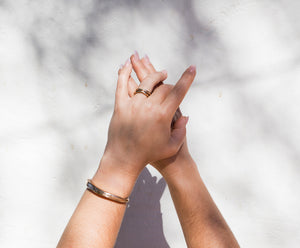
147,93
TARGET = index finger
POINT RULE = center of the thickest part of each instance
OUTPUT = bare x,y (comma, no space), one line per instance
177,94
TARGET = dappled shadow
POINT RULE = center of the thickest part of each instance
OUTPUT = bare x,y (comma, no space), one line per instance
77,46
71,50
142,224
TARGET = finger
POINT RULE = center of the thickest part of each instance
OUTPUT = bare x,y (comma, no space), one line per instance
122,88
181,122
161,92
146,61
132,86
177,94
148,65
139,68
150,81
176,116
178,133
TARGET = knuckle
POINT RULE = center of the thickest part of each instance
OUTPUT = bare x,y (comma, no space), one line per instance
149,106
154,76
158,75
147,79
161,115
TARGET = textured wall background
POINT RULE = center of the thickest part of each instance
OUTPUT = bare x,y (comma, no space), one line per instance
57,79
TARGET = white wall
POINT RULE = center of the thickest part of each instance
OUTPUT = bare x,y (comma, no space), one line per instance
58,63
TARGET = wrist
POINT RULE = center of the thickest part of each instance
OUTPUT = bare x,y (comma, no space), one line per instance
178,169
113,177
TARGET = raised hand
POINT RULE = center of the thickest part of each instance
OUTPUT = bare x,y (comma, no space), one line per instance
143,67
139,131
147,127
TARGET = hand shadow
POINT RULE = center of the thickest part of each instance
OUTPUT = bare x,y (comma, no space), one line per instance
142,223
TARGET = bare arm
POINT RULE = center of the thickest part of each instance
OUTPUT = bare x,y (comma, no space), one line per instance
202,223
139,133
96,221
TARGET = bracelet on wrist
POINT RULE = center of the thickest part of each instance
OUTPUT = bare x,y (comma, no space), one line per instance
101,193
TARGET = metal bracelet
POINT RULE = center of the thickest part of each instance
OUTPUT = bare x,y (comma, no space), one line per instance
99,192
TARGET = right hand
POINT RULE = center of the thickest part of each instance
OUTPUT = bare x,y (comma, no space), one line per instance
143,67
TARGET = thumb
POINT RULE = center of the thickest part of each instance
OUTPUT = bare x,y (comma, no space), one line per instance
178,132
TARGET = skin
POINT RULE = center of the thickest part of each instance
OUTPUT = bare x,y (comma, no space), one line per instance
96,221
139,133
201,221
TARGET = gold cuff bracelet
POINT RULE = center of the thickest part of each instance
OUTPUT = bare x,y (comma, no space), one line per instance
99,192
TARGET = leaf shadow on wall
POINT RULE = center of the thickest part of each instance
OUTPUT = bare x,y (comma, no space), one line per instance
142,224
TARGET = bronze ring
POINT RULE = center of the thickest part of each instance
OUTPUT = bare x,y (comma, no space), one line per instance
147,93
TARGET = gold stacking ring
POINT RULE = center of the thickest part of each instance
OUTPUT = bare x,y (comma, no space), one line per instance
147,93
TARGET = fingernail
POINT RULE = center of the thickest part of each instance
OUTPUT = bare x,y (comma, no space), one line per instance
192,68
165,72
147,59
136,55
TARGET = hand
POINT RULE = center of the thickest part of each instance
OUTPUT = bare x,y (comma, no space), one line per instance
139,132
143,67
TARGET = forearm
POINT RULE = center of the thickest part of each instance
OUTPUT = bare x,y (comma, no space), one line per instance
201,221
139,132
96,221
